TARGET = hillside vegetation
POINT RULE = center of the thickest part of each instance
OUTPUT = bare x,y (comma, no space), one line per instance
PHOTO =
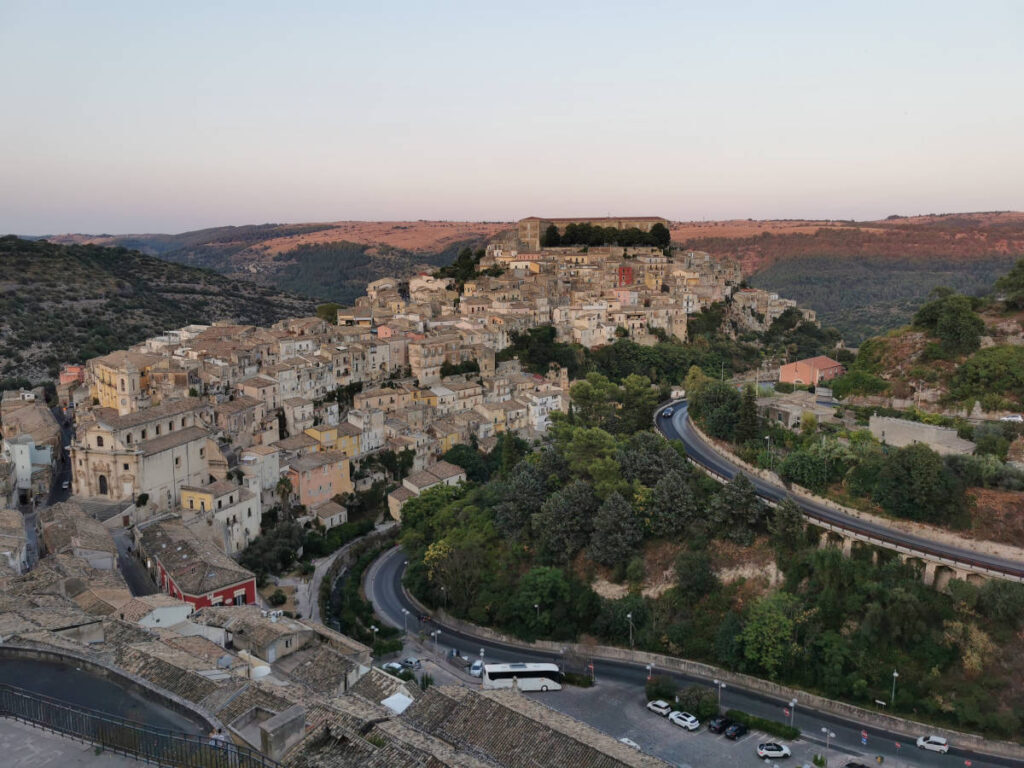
866,278
68,303
327,261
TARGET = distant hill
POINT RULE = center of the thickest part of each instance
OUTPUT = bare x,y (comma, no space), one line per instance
67,303
866,277
328,261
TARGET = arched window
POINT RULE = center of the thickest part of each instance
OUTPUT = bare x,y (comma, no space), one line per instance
103,485
122,385
99,441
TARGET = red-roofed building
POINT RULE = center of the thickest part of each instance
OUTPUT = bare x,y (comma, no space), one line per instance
813,371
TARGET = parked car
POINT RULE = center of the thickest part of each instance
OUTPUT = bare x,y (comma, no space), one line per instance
685,720
411,662
659,707
630,743
933,744
667,412
1014,417
719,724
393,667
736,730
477,668
772,750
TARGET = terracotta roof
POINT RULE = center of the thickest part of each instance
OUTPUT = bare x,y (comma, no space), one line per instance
111,418
196,566
172,440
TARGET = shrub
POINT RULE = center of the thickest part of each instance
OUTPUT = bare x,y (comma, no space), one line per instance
577,679
771,727
277,598
660,688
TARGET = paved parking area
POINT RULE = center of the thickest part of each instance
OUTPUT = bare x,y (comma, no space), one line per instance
603,707
23,746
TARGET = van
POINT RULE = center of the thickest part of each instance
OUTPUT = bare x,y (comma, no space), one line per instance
477,668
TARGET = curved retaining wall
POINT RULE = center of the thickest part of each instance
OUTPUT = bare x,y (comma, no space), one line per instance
200,716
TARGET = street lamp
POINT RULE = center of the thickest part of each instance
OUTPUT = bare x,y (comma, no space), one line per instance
829,735
405,620
719,685
435,634
444,596
892,698
648,668
375,629
792,712
768,439
629,618
536,607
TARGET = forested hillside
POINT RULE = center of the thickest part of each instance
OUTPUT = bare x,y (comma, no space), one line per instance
67,303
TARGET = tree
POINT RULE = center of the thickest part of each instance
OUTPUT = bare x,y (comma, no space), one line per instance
551,238
952,319
804,469
736,510
638,403
328,312
594,400
549,590
617,531
1011,285
786,524
695,380
769,633
471,460
914,484
647,458
590,454
660,235
284,493
523,495
717,405
563,525
747,422
672,505
695,577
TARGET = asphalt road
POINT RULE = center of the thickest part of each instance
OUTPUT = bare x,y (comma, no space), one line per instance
620,689
679,427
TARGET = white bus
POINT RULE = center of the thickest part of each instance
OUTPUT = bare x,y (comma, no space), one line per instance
528,677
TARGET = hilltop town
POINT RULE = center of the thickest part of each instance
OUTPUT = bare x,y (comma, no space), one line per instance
169,457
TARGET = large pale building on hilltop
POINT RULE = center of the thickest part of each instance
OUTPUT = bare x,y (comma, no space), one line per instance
532,228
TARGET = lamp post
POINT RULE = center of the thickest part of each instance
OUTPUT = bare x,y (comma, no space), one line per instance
768,439
375,629
444,596
829,735
892,698
792,712
629,618
536,607
435,634
648,668
719,685
405,620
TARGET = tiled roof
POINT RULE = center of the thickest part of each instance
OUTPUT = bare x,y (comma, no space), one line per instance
196,566
517,732
376,685
172,440
316,460
114,420
319,668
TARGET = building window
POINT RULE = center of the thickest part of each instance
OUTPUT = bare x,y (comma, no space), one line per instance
191,503
202,453
170,426
125,467
128,438
99,442
143,434
177,461
182,421
158,429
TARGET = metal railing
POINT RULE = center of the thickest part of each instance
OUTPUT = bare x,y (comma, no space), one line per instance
156,746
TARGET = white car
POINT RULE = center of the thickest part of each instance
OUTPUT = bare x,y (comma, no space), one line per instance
393,667
772,750
933,744
630,743
659,707
685,720
1016,418
477,669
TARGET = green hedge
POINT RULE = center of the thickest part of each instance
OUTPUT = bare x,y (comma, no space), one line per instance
770,727
575,678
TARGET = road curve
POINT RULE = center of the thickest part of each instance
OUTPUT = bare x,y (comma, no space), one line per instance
679,427
383,587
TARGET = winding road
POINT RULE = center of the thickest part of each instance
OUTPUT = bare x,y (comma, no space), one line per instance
679,427
383,587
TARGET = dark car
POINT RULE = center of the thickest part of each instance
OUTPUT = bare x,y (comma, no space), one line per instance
667,412
736,730
719,724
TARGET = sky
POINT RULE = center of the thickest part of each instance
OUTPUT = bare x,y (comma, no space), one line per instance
123,117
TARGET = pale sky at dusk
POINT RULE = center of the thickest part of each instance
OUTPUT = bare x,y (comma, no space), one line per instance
142,117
